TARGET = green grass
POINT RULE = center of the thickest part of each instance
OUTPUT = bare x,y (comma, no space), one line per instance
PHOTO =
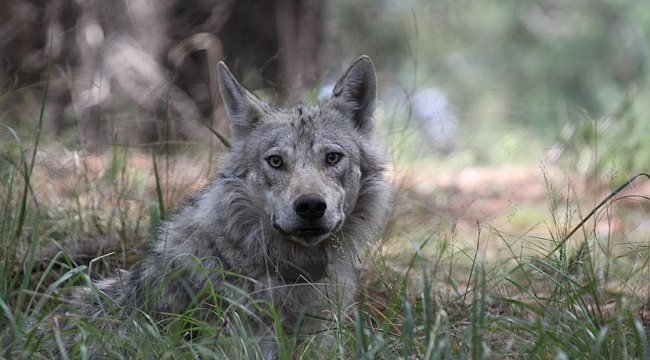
572,283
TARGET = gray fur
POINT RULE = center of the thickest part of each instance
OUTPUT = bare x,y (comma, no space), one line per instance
247,221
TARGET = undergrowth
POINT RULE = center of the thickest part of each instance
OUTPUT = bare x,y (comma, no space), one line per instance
578,289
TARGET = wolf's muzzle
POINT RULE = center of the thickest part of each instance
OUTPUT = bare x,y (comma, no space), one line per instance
310,206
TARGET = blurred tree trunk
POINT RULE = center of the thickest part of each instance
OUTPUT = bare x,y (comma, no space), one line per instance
4,28
110,60
299,28
89,82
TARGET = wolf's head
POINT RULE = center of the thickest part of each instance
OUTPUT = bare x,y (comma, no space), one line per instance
305,167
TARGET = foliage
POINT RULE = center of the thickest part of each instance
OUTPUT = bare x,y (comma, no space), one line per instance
513,71
611,145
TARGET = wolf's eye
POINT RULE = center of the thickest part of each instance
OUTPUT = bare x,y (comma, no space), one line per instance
275,161
333,158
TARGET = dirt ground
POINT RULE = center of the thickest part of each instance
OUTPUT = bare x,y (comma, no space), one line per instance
516,200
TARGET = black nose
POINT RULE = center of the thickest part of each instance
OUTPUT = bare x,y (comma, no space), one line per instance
310,206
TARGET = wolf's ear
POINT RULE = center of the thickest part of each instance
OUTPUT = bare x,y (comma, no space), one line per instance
243,108
355,93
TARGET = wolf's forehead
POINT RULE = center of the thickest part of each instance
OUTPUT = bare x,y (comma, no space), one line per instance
302,119
302,127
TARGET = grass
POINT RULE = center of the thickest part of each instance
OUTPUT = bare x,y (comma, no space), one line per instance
439,284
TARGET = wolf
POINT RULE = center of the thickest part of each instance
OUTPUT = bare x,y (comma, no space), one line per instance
300,191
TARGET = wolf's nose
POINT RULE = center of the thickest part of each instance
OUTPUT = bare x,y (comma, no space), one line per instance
310,206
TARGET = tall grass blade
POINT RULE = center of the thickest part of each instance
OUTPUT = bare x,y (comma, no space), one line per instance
159,195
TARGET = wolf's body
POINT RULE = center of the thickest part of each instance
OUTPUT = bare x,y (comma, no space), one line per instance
298,193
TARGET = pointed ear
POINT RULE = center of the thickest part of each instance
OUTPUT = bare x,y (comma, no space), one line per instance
355,93
244,109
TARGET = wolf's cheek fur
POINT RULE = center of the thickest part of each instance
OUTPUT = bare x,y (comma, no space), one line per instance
350,180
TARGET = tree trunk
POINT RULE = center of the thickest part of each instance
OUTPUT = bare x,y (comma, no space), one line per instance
299,26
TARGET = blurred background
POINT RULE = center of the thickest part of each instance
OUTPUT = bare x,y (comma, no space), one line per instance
481,103
511,74
488,82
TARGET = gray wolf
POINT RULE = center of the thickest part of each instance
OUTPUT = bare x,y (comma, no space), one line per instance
280,227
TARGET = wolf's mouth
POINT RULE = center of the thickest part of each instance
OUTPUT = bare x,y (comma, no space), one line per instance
311,233
307,236
302,233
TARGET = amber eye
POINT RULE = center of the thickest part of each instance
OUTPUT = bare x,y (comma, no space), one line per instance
275,161
333,158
